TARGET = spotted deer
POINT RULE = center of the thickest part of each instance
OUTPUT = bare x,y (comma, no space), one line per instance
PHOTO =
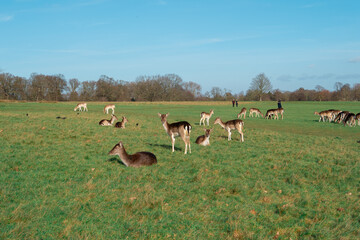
341,116
323,115
256,111
232,125
80,106
204,140
108,107
122,123
110,122
135,160
242,113
207,116
176,129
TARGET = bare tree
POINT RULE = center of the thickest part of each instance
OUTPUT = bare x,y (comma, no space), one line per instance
260,85
73,86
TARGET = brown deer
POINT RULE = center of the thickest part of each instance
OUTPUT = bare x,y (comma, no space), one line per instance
176,129
272,113
256,111
207,116
242,113
231,125
204,140
357,116
122,123
80,106
110,122
108,107
323,115
341,116
350,120
135,160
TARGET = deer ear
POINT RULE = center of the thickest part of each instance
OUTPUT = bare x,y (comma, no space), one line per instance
167,114
120,144
159,114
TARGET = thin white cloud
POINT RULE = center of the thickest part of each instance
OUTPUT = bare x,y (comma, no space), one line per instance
355,60
6,18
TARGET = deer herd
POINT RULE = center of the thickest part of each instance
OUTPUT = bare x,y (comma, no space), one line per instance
183,129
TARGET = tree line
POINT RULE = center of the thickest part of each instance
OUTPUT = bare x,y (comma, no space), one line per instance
169,87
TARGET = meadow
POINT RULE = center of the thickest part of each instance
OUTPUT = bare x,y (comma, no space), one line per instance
295,178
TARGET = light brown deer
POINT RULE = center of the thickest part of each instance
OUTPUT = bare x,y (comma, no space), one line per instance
207,116
323,115
122,123
256,111
80,106
108,107
204,140
357,116
135,160
176,129
231,125
242,113
110,122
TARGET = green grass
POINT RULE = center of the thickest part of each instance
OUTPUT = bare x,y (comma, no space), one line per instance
293,178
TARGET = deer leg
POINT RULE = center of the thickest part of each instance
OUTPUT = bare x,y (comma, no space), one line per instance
173,142
208,121
229,135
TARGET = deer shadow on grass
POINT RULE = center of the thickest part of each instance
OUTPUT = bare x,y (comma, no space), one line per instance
118,160
164,146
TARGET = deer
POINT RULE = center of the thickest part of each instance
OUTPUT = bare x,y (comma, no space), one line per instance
176,129
357,116
271,112
334,113
242,113
80,106
207,116
256,111
135,160
341,116
231,125
204,140
108,107
110,122
281,111
350,120
323,115
122,123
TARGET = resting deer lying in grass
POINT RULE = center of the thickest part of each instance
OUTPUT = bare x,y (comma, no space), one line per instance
135,160
80,106
110,122
231,125
108,107
350,120
207,116
242,113
357,117
204,140
256,111
176,129
122,123
323,115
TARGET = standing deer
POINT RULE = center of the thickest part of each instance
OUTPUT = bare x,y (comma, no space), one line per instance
176,129
207,116
122,123
323,115
108,107
204,140
135,160
231,125
242,113
350,120
80,106
256,111
110,122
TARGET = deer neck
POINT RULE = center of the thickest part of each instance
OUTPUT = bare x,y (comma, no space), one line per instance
222,124
124,156
112,120
166,126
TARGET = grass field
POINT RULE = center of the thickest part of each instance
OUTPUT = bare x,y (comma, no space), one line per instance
293,178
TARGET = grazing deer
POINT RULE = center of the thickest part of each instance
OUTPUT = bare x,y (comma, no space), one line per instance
204,139
176,129
272,112
256,111
341,116
350,120
108,107
135,160
207,116
323,115
242,113
80,106
122,123
334,113
231,125
281,112
110,122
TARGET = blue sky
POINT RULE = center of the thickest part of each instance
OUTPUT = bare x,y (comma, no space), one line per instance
213,43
